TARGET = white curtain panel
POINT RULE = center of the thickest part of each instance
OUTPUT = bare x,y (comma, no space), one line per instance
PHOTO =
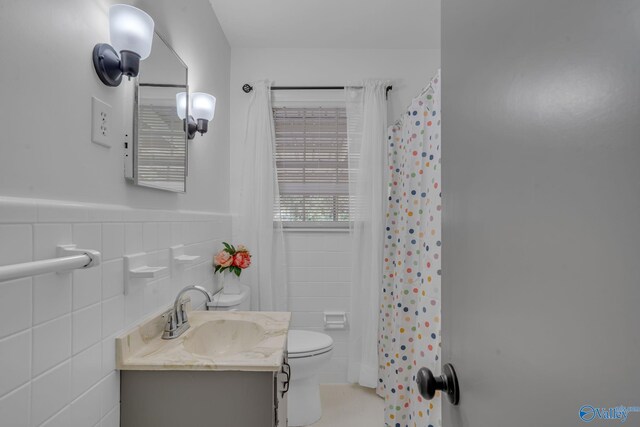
257,226
367,135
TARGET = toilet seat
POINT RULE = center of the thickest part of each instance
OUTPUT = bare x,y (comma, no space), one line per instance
307,344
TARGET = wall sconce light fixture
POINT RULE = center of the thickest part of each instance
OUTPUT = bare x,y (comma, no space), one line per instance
183,112
131,34
203,108
201,112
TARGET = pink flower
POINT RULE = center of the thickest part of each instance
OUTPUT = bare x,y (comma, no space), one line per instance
223,259
242,260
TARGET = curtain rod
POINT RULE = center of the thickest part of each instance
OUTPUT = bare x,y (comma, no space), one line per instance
248,88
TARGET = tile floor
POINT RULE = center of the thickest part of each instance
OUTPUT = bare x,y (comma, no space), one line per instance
347,405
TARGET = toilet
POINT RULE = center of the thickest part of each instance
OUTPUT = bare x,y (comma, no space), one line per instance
307,352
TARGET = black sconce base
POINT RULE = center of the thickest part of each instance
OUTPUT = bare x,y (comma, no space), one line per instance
107,64
190,127
129,63
203,126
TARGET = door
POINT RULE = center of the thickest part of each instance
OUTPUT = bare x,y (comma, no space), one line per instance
541,219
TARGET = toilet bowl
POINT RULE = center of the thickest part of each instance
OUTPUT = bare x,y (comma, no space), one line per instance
307,352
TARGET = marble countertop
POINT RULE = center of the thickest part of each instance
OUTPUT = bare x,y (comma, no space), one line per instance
209,344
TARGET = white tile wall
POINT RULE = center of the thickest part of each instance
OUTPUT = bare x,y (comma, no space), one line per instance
87,286
14,405
86,370
15,353
52,296
85,410
51,344
57,345
112,241
87,327
112,419
319,273
50,393
15,304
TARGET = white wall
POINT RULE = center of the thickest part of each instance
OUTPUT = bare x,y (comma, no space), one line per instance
45,107
409,69
57,343
319,262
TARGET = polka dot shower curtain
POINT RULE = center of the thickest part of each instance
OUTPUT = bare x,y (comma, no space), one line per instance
409,330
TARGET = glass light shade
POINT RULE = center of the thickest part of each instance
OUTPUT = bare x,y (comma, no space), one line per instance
130,29
181,105
203,106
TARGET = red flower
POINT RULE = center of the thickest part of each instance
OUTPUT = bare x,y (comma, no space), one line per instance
242,260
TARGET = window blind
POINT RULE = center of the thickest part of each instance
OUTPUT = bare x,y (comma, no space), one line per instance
161,145
312,165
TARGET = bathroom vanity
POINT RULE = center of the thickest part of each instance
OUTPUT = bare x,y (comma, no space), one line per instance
229,369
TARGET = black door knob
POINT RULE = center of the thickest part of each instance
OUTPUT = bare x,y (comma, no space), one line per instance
447,383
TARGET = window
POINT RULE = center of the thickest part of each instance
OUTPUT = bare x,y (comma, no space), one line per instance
312,163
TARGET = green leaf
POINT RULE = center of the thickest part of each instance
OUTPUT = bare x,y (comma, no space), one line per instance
237,271
216,269
230,249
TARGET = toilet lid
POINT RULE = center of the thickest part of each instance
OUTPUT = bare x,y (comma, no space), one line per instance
300,342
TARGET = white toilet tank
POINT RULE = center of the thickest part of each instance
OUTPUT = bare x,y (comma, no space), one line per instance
233,302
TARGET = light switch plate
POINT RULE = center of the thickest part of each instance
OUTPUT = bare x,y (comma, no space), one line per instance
100,122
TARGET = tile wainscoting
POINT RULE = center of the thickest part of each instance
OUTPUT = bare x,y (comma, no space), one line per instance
57,339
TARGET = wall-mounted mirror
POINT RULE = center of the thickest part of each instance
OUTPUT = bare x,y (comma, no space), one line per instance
159,140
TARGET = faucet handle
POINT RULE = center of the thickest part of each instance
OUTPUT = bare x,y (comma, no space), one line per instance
171,324
183,312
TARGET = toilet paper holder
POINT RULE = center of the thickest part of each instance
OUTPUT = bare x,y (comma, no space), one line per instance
335,320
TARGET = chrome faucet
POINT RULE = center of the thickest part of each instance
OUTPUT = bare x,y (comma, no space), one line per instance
177,321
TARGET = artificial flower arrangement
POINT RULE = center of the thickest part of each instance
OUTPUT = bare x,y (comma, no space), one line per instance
232,259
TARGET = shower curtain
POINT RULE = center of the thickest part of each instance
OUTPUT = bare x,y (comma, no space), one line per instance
409,328
258,226
367,130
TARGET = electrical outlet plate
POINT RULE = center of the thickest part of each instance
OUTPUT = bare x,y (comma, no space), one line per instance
101,122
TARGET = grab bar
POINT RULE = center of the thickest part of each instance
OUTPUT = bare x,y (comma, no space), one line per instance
69,258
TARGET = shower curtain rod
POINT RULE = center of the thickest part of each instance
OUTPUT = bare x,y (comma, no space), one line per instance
248,88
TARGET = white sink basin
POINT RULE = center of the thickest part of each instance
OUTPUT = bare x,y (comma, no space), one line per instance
223,337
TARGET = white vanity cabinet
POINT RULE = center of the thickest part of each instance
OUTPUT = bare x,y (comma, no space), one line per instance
204,398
